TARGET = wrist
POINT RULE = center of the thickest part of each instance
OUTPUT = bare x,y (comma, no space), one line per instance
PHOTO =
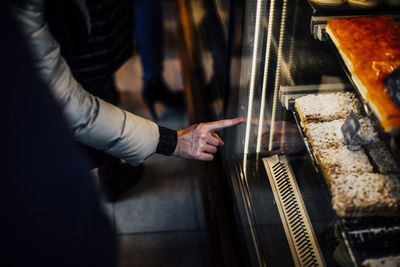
167,142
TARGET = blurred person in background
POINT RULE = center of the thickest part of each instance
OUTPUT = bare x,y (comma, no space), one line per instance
149,34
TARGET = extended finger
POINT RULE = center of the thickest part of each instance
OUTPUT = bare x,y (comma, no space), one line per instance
219,125
221,143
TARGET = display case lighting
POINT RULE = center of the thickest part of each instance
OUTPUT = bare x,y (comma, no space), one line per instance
265,76
253,72
277,74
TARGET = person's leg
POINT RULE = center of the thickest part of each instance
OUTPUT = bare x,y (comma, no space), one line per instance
117,177
149,32
148,19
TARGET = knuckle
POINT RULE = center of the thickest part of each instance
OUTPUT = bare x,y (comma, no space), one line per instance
203,135
201,126
201,146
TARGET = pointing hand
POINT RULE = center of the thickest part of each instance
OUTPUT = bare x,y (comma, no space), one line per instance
200,141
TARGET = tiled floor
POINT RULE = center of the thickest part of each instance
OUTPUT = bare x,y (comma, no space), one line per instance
160,221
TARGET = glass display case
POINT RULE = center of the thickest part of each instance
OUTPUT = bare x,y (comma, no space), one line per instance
313,174
287,169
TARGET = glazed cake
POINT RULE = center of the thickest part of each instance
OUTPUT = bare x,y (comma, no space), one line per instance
327,107
368,194
329,134
370,48
341,161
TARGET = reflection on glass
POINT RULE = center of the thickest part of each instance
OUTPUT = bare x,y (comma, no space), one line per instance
277,74
266,71
254,70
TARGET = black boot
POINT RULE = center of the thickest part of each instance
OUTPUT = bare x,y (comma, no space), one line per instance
116,178
155,90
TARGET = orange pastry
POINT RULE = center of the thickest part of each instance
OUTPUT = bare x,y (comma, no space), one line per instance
370,47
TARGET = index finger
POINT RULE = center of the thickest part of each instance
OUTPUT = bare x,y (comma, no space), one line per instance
219,125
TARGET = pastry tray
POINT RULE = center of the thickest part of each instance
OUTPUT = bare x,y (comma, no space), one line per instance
362,235
288,94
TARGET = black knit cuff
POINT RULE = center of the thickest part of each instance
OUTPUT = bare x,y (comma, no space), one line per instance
168,140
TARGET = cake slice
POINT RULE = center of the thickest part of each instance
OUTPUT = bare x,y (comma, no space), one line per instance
370,48
366,194
391,261
329,134
342,161
382,158
327,107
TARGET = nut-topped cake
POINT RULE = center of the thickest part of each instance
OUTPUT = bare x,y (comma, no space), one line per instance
329,134
363,182
327,107
367,194
335,161
382,158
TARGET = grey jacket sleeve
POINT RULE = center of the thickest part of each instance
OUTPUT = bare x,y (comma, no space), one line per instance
93,121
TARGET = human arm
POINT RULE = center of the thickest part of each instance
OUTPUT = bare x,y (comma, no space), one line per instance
91,120
97,123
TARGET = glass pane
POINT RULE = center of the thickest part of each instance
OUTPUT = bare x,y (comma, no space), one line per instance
280,61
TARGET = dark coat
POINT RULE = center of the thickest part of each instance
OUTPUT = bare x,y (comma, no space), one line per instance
95,36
